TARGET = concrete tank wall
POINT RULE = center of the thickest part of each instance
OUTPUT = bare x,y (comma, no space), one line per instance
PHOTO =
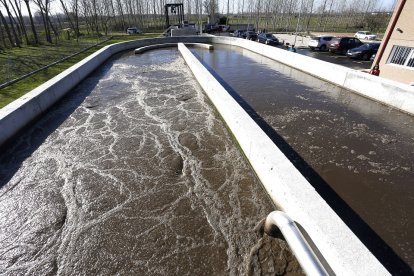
19,113
288,188
391,93
22,111
286,185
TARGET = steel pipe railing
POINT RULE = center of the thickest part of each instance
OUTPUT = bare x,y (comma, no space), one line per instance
300,247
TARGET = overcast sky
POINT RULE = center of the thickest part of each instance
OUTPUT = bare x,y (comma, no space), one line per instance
56,8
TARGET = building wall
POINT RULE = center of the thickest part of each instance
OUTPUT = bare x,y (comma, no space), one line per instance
406,38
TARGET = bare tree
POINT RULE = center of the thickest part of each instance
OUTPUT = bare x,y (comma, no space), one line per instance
121,12
16,38
309,11
14,17
291,13
21,20
68,17
31,22
75,9
6,27
211,8
2,39
327,17
44,6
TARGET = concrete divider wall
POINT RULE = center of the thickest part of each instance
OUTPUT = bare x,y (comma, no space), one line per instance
16,115
287,187
391,93
22,111
143,49
394,94
285,184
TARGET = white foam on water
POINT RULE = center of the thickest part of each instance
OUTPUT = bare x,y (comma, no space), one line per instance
141,177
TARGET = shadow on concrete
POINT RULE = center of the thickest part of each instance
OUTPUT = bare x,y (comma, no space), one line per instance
384,253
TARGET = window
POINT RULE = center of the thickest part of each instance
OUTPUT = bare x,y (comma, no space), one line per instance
402,56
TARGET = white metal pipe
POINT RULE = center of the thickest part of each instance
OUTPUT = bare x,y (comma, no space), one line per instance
300,247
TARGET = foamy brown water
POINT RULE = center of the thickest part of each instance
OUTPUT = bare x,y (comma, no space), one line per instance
132,174
358,148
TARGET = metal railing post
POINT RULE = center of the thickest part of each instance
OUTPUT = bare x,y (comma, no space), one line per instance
300,247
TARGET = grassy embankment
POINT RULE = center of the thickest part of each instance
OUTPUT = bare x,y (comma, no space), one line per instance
19,61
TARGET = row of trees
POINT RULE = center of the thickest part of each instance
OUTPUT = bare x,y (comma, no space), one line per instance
103,16
317,15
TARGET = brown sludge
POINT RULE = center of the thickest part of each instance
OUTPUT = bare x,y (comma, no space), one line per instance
133,174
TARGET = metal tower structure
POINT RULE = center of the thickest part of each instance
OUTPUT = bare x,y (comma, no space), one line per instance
176,9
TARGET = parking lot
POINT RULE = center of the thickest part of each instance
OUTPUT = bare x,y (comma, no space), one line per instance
301,44
336,58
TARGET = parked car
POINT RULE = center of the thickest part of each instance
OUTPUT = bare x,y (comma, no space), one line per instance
343,44
238,33
210,28
268,39
223,28
134,30
320,42
364,51
365,35
250,35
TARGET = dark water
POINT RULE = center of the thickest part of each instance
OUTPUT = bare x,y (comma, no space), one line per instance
363,150
133,174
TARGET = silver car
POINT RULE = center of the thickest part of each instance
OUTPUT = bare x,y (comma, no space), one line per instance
365,35
133,30
320,42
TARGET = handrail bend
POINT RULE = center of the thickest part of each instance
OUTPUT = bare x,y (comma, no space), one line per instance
300,247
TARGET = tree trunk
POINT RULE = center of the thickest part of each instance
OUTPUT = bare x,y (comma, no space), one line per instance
329,13
22,25
322,14
2,39
46,27
312,2
122,15
16,23
43,9
72,26
6,27
32,23
16,38
77,19
52,26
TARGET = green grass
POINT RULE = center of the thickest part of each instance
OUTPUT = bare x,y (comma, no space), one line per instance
17,62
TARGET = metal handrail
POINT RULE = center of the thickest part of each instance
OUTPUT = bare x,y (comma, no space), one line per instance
300,247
